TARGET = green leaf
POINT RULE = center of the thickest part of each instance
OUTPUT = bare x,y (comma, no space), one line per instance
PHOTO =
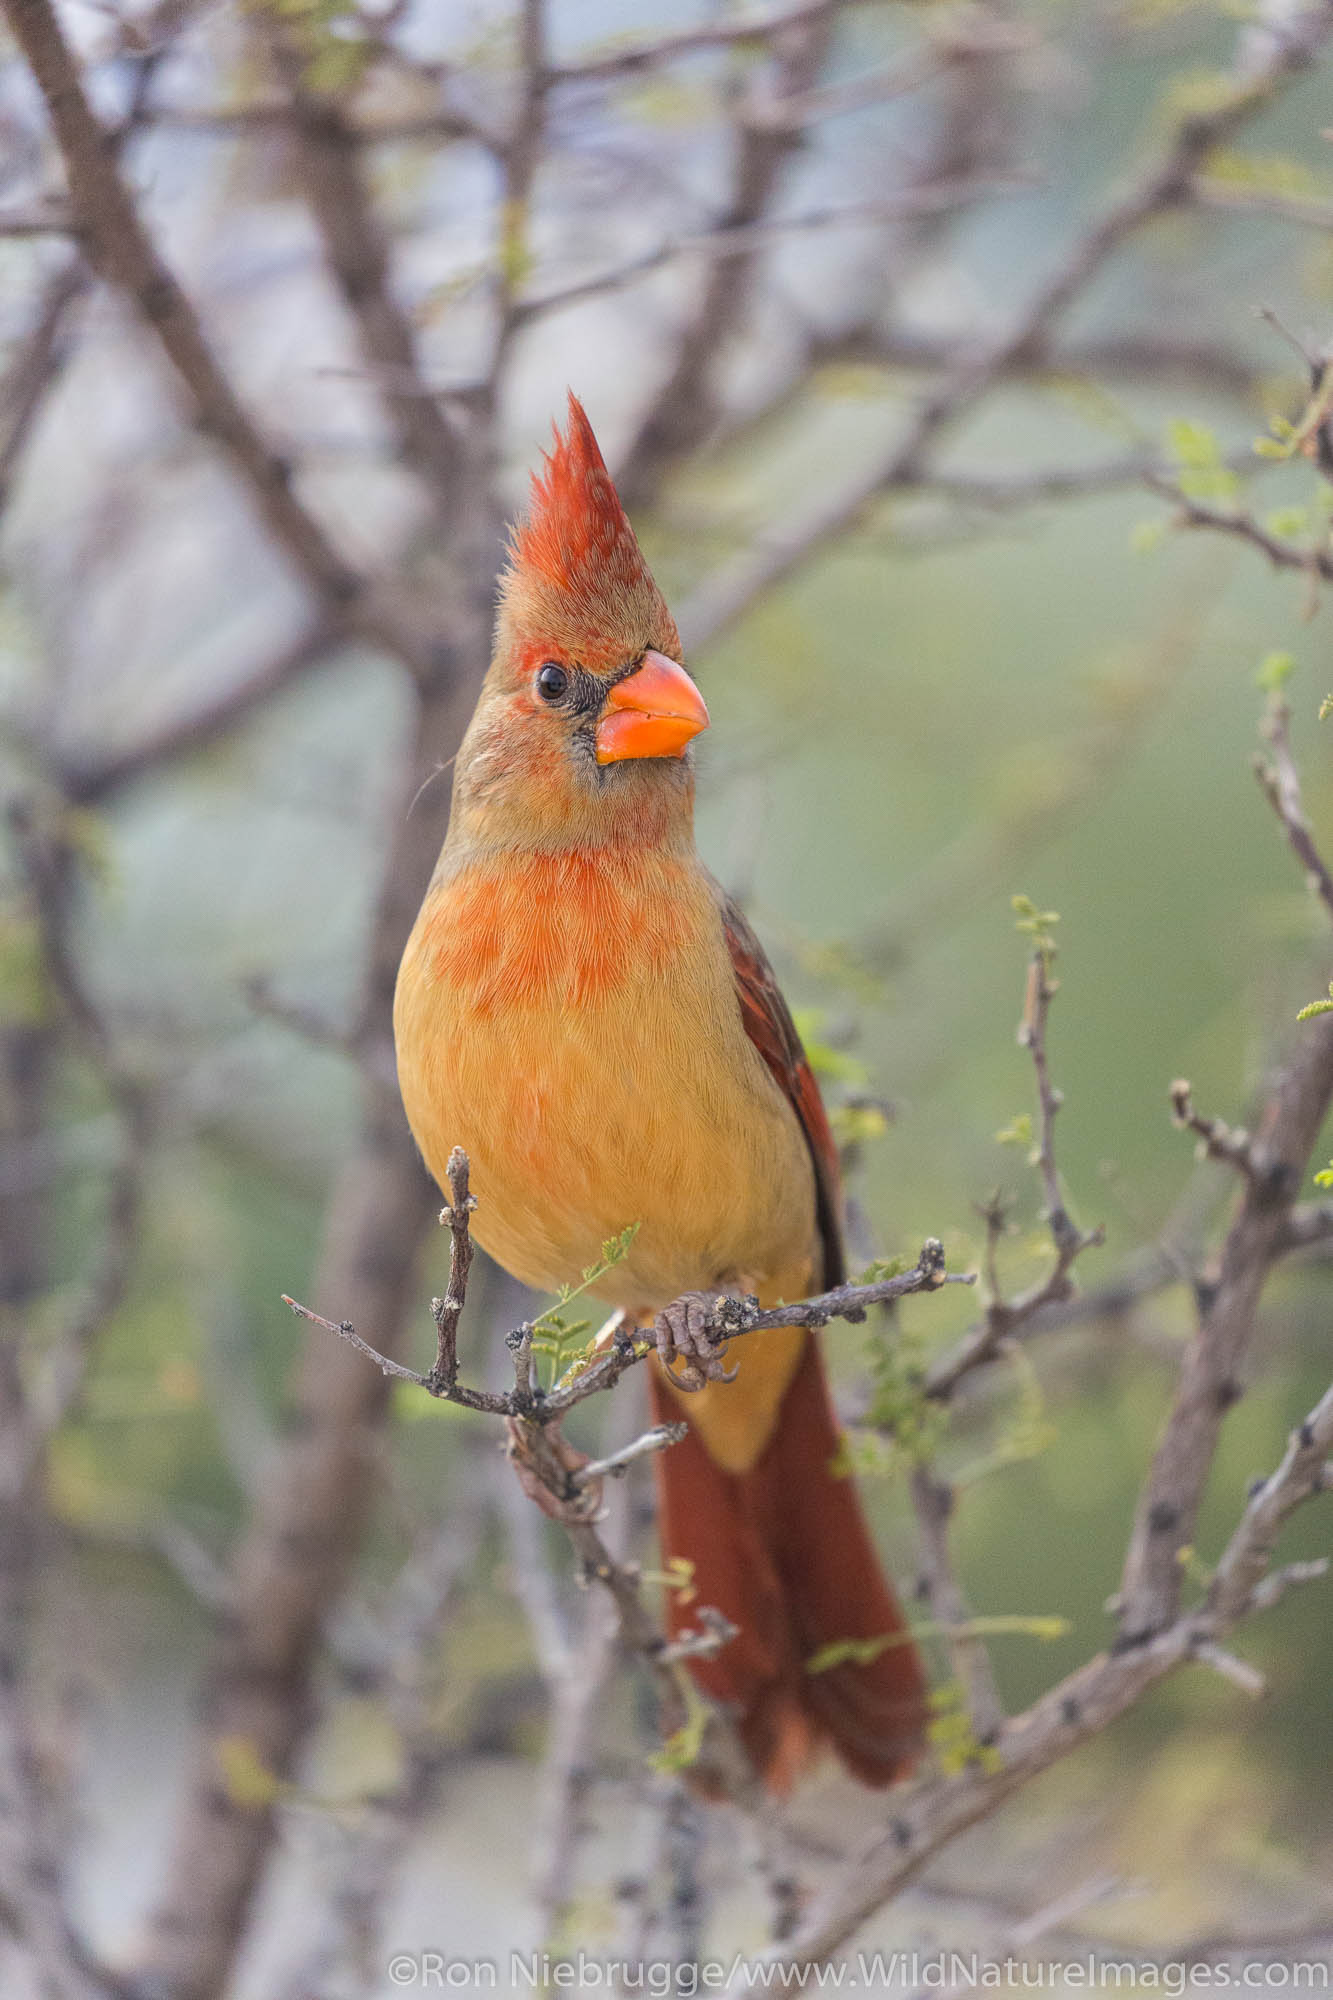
1274,671
881,1268
1317,1006
682,1748
1145,537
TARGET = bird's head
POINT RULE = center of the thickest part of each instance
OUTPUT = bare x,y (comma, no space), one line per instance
585,718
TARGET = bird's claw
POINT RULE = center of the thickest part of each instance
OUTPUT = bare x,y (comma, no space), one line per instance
682,1334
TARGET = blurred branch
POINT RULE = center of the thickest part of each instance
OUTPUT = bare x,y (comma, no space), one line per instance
308,1514
973,34
933,1504
1230,198
88,780
730,239
1078,1707
1280,782
1162,188
1232,521
685,407
628,61
1131,356
1211,1380
394,1661
37,366
331,170
123,254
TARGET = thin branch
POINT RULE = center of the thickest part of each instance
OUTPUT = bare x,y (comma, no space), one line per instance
447,1311
628,61
1234,521
1162,188
1078,1707
86,780
1231,197
1217,1140
1004,1317
730,239
729,1319
645,1446
1212,1373
331,169
933,1502
685,407
1303,1473
32,375
1280,783
123,254
977,35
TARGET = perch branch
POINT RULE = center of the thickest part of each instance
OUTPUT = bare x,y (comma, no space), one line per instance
729,1319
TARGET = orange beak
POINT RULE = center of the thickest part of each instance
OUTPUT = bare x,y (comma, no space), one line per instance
653,712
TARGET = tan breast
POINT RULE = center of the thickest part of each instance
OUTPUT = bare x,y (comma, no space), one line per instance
571,1021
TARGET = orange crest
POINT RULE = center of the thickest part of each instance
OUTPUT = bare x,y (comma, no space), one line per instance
577,533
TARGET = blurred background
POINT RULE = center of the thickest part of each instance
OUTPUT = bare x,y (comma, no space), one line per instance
294,1646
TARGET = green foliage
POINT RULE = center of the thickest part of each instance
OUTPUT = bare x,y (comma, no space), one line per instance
1017,1133
24,989
857,1124
950,1734
899,1406
860,1652
1288,440
1266,173
1037,924
831,1064
562,1342
1317,1006
1196,93
1274,671
880,1268
1201,472
682,1747
1324,1178
334,47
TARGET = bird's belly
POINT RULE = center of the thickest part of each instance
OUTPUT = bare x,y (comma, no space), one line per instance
583,1123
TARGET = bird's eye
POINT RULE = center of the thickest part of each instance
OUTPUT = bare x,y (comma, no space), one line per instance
552,681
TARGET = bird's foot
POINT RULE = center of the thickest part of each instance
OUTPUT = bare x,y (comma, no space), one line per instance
682,1333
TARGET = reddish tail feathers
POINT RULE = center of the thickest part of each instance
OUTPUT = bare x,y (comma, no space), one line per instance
784,1552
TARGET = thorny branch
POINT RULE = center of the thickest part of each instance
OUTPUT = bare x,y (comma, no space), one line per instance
1280,783
728,1320
1003,1317
1264,1228
1078,1707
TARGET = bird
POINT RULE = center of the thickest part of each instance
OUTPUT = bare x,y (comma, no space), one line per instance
583,1009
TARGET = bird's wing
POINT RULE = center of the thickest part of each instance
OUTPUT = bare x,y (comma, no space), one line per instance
769,1025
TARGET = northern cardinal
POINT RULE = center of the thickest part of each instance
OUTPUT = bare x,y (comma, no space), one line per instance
583,1009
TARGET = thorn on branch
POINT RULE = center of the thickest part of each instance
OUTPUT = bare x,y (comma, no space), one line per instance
1280,783
1232,1145
447,1311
